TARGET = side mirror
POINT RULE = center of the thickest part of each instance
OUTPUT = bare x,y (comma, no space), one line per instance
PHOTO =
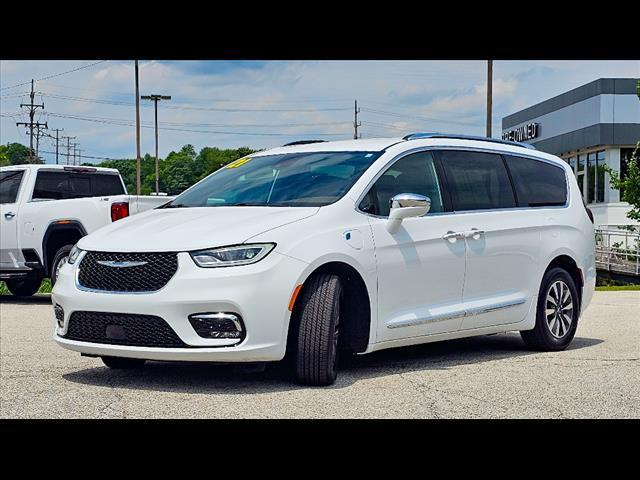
405,205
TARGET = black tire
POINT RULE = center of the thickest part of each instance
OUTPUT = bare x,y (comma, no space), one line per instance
122,363
23,288
554,334
61,255
317,349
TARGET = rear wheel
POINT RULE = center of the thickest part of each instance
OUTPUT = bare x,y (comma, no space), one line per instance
119,363
557,313
58,260
318,335
23,288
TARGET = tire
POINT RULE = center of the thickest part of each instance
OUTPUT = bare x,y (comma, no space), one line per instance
122,363
60,256
23,288
317,350
553,331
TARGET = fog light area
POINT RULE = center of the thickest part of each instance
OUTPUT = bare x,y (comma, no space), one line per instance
217,325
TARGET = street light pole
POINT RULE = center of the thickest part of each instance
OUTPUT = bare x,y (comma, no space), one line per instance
155,99
489,95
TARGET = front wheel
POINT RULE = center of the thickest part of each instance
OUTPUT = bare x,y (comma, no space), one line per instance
317,353
58,260
23,288
557,313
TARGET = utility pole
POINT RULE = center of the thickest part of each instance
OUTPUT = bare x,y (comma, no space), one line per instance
38,135
57,130
68,147
32,111
489,95
137,132
79,156
356,124
74,153
155,99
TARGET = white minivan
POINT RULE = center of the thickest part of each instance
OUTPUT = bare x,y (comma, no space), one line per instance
321,248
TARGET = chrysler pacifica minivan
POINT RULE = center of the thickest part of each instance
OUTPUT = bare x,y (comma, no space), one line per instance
317,249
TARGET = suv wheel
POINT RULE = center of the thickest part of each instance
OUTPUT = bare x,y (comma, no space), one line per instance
557,313
119,363
317,353
58,260
23,288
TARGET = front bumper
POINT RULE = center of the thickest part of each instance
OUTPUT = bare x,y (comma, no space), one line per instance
259,293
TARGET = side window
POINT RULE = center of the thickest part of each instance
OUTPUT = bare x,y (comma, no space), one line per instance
537,184
415,173
477,180
104,185
10,185
61,185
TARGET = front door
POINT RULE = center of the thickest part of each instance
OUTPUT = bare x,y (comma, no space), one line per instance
420,273
10,254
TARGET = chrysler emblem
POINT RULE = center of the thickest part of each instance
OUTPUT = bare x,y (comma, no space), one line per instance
117,264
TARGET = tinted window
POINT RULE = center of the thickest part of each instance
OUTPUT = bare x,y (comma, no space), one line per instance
311,179
61,185
414,173
104,185
9,185
477,181
537,183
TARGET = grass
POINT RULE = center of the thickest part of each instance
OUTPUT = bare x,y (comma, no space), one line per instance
615,288
44,288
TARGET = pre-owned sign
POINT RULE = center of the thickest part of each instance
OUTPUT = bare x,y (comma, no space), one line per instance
522,133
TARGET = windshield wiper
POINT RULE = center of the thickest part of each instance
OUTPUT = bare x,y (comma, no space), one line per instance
173,205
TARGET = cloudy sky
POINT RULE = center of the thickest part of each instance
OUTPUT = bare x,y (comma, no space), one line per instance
262,104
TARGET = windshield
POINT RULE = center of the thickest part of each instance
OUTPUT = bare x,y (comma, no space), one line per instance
293,180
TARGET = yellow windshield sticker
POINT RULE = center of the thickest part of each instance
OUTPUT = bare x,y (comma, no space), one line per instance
239,162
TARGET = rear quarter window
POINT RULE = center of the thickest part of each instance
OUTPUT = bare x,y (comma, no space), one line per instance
537,183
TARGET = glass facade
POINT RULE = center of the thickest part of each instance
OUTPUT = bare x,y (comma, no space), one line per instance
590,174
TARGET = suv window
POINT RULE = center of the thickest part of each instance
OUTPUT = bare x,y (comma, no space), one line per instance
415,173
477,180
10,185
62,185
537,183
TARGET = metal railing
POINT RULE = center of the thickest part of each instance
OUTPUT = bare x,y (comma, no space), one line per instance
618,249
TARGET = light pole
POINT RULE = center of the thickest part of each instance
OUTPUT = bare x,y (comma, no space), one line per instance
489,95
155,99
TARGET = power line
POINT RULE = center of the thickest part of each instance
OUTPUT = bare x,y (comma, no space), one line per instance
55,75
417,117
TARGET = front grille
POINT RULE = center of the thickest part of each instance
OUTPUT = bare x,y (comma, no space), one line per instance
122,329
157,270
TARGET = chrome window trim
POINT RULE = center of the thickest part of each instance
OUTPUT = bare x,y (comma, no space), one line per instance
411,151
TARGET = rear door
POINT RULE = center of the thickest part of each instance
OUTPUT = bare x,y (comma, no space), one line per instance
10,188
502,244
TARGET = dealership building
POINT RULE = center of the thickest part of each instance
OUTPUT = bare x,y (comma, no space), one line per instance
589,127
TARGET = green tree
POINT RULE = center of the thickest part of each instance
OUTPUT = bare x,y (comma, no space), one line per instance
18,154
630,184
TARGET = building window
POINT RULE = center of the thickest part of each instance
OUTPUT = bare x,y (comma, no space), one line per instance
595,177
580,173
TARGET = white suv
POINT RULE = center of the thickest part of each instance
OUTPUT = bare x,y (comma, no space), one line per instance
317,248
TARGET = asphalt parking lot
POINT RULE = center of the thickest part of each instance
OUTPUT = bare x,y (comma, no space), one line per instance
483,377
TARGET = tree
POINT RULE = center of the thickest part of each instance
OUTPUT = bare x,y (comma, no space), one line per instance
18,154
630,185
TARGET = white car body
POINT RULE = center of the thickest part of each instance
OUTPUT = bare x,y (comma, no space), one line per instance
420,287
27,222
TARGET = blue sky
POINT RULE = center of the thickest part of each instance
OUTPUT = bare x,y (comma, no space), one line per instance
262,104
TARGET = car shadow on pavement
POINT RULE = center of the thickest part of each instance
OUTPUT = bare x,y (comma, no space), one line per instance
203,378
38,299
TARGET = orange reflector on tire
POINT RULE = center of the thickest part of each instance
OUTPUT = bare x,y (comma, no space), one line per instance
292,302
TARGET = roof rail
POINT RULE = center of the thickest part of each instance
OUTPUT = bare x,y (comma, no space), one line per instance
416,136
303,142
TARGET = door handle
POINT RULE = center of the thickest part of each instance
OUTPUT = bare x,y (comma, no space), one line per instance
474,233
9,215
452,236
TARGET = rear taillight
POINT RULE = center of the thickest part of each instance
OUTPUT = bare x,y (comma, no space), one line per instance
119,210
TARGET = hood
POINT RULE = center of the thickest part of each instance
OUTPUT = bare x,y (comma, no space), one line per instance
183,229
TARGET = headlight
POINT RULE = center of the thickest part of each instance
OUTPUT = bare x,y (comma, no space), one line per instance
73,254
232,256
